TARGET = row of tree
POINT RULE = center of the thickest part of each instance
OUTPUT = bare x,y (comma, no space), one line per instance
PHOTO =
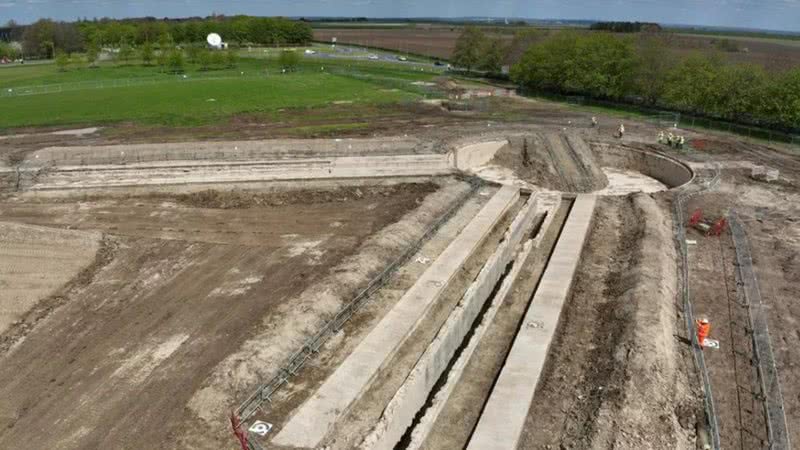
46,37
625,27
641,70
8,51
171,60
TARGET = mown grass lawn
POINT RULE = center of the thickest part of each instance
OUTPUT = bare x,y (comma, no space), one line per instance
175,101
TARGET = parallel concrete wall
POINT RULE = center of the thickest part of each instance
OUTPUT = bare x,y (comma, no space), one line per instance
476,155
315,418
412,395
223,150
503,418
671,172
188,172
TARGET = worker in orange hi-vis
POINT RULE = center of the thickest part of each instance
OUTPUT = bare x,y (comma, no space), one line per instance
703,328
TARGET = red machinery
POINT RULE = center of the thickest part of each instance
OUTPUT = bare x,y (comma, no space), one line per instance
708,228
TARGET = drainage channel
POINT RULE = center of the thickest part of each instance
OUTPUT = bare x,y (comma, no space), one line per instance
470,376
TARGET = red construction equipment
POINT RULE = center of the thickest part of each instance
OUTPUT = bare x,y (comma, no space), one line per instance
241,434
708,228
696,217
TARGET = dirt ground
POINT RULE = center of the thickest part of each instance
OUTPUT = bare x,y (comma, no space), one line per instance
732,369
770,213
35,262
620,349
117,351
185,287
561,162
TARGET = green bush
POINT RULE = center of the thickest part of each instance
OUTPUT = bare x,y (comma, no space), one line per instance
288,60
569,62
175,61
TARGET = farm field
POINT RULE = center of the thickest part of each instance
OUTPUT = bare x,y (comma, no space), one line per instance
439,42
434,42
82,95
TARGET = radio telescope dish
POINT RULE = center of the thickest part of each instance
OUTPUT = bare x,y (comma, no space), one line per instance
214,40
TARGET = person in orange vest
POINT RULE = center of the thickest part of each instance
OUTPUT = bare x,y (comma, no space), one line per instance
703,329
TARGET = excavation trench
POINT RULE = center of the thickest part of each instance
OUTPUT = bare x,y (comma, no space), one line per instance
451,338
450,407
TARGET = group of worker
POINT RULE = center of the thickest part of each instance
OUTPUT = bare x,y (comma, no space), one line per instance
672,140
620,129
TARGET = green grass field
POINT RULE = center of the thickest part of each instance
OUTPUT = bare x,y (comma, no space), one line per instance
254,86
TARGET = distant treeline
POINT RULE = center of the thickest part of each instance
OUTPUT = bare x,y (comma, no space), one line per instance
46,37
639,70
625,27
643,71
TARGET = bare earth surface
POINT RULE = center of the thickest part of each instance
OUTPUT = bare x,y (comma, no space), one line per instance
126,352
35,262
616,353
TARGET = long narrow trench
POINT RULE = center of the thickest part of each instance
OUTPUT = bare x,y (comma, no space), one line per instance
462,409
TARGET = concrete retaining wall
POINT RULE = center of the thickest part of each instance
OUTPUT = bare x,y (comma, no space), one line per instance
669,171
315,418
503,418
222,150
414,392
476,155
189,172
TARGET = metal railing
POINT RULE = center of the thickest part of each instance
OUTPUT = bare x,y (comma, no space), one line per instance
264,391
702,184
777,428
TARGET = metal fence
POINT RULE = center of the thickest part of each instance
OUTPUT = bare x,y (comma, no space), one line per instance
264,391
701,184
666,118
777,428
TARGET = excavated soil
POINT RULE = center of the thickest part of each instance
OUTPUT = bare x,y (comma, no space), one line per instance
561,162
619,374
771,216
181,288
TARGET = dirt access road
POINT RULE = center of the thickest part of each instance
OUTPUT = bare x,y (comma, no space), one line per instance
116,365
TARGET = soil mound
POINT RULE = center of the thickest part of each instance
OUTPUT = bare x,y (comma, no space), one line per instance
217,199
562,162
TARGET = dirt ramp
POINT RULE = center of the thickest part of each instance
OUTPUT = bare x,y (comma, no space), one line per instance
557,161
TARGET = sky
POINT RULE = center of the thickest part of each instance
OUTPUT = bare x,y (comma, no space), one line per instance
764,14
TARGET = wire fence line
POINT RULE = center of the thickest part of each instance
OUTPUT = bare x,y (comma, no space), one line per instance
701,184
777,428
295,362
667,118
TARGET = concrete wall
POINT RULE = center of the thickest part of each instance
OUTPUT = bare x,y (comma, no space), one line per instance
316,417
476,155
189,172
503,418
223,150
669,171
412,395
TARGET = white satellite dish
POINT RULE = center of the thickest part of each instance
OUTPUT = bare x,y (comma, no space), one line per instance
214,40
